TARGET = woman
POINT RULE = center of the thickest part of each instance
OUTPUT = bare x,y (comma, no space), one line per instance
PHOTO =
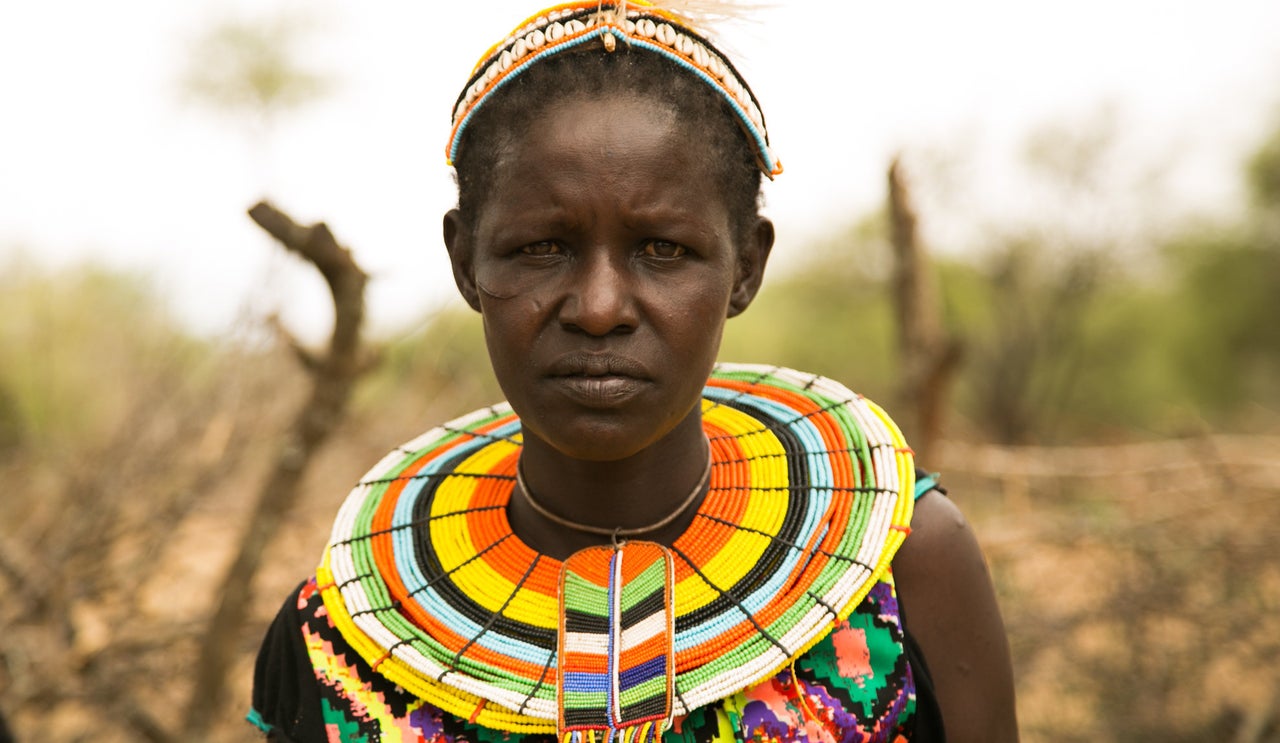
640,545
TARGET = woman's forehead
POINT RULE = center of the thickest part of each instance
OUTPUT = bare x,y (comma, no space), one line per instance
608,125
618,147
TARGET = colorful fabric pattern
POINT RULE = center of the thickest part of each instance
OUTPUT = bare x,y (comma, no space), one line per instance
430,599
855,685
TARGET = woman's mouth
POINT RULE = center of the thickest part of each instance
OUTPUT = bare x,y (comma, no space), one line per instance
598,380
600,392
583,364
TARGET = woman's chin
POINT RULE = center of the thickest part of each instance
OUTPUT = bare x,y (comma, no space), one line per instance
599,443
613,434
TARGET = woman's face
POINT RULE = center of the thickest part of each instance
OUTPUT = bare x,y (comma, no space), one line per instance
604,263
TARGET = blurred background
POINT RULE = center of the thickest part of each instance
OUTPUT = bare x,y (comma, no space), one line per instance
1046,238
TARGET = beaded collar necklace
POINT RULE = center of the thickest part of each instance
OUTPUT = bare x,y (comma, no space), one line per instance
615,532
808,500
639,24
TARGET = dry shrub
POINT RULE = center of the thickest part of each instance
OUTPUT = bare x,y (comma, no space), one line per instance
1138,584
119,518
108,547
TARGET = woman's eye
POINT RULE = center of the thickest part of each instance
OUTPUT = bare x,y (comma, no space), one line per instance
664,249
546,247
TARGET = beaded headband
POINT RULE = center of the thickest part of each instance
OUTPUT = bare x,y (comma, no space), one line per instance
636,23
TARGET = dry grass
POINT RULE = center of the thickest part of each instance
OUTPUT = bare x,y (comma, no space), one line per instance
1139,584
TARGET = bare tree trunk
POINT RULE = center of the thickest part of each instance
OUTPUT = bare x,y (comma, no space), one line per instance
927,356
333,376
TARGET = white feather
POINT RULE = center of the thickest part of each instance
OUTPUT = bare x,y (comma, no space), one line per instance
707,17
711,11
699,15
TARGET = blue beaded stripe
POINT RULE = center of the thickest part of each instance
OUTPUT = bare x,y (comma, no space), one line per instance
511,75
816,504
405,546
761,141
925,484
256,718
418,585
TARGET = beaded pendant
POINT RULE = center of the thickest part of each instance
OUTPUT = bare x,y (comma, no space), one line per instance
616,644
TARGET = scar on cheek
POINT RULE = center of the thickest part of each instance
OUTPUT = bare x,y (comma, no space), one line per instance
496,295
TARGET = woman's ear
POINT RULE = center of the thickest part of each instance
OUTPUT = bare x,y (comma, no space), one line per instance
457,240
752,257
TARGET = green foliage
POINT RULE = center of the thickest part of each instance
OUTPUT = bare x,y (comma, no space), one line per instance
1124,379
833,316
1036,352
444,358
1263,174
73,345
1228,341
250,67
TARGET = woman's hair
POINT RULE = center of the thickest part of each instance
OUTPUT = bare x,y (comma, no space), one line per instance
705,118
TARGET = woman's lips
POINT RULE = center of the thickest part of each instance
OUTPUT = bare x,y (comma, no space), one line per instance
599,392
582,364
598,380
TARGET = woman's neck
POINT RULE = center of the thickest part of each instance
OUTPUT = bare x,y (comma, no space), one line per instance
630,493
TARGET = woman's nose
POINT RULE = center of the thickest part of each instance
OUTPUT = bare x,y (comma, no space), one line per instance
600,299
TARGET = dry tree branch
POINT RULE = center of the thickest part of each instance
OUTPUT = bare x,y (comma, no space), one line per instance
332,380
304,356
927,356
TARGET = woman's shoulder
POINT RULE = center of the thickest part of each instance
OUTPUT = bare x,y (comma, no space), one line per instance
949,603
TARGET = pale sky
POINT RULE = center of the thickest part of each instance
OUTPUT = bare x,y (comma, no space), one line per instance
102,160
